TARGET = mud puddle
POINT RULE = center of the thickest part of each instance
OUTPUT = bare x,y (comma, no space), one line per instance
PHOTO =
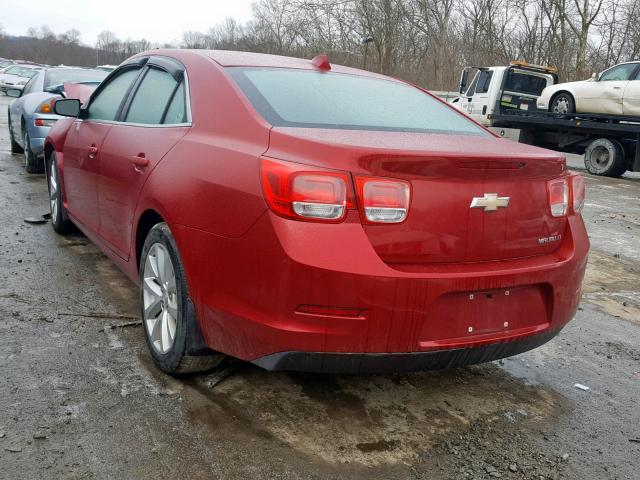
374,421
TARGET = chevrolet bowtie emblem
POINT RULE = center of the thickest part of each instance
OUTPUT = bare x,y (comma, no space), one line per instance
490,202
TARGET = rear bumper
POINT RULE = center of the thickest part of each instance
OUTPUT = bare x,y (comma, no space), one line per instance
37,135
252,294
378,363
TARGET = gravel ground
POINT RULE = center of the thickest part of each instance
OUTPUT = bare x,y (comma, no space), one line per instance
81,402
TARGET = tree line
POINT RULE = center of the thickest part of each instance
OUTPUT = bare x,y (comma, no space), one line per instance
424,41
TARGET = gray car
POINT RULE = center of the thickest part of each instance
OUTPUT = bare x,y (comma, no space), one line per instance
31,114
16,76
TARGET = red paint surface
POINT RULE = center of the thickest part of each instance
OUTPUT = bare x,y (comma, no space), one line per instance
253,274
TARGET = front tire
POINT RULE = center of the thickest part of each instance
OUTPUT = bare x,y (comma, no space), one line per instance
563,103
605,157
59,218
32,163
163,300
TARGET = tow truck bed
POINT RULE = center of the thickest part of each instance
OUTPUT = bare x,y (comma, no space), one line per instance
572,132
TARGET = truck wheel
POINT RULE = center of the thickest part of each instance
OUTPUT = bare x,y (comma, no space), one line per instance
605,157
563,102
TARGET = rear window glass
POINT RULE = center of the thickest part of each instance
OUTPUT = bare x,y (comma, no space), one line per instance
152,97
303,98
523,83
73,75
484,81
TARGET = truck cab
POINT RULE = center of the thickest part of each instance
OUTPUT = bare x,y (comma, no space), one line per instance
516,86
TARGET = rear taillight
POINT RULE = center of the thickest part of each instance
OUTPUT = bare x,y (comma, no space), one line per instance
383,200
296,191
46,106
558,197
577,191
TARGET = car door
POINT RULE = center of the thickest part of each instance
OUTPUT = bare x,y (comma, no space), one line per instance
153,120
478,101
605,95
82,149
631,97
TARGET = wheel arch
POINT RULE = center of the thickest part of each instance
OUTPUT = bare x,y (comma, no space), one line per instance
48,148
148,219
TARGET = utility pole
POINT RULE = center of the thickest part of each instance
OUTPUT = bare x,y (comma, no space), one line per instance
366,41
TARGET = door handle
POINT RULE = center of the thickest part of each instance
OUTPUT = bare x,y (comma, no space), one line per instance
617,88
92,151
139,162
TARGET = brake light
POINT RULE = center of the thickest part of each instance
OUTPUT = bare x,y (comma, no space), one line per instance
296,191
45,122
558,197
383,200
578,192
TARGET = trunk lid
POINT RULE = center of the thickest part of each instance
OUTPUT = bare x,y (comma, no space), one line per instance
446,173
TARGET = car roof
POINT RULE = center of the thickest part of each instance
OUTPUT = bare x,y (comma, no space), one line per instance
229,58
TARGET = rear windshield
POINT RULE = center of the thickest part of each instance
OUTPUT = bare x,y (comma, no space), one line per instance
304,98
523,83
73,75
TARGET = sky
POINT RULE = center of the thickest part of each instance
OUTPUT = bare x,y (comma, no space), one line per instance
157,21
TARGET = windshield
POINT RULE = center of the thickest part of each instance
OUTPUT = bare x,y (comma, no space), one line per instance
59,76
21,71
303,98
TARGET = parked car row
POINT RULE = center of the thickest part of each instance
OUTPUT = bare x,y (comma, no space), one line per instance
31,115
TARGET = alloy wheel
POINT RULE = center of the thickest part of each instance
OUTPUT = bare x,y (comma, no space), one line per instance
561,104
53,191
160,298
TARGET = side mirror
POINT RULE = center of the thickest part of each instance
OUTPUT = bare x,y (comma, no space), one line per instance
594,77
67,107
464,78
14,92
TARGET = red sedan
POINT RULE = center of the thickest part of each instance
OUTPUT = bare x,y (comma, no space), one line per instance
307,216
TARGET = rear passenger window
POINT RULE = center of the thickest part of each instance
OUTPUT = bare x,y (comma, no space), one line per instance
151,99
106,104
177,113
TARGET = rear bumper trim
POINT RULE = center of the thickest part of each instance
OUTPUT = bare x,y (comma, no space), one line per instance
359,363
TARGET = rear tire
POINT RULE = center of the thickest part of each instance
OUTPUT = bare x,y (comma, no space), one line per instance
59,218
605,157
563,103
164,301
32,163
15,147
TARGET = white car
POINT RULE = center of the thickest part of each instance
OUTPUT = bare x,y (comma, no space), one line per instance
615,91
17,76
